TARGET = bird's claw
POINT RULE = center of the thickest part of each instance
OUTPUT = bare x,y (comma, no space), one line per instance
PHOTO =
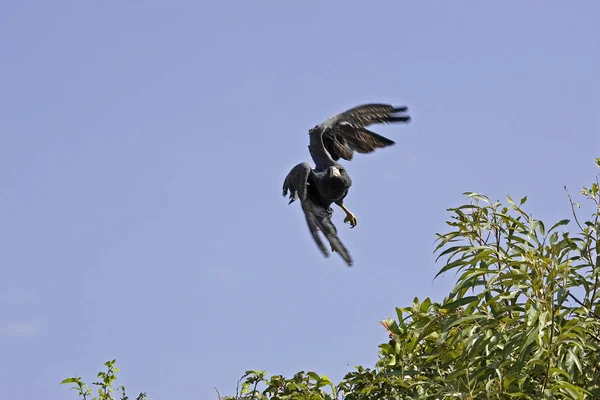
351,218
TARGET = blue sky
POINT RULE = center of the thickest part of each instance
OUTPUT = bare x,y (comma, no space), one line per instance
143,145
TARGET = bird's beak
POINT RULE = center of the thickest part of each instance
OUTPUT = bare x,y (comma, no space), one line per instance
334,172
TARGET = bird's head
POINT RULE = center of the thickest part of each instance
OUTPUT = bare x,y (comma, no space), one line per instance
334,172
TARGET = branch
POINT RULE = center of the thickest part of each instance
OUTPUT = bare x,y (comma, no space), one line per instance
590,312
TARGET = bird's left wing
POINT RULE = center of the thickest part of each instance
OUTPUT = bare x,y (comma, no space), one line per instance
296,182
346,133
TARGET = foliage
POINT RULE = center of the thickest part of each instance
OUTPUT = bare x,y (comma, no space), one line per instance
522,321
104,384
529,326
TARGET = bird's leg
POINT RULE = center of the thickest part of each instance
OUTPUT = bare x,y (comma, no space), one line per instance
350,217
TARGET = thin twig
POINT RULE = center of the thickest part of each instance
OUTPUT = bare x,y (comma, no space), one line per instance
573,209
579,302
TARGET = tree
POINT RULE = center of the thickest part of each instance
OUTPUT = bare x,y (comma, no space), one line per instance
522,321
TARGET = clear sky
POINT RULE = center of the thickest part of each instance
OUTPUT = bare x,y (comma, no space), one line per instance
143,145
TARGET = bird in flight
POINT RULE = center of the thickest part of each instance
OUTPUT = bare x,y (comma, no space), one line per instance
317,188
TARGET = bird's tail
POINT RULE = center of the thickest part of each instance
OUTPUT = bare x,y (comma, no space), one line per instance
319,218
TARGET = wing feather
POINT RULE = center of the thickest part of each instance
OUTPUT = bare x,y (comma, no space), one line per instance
346,133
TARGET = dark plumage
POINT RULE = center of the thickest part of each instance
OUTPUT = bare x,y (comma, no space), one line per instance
338,137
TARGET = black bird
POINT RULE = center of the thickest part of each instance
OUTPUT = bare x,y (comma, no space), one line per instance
338,137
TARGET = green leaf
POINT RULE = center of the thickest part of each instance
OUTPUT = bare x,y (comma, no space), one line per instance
460,302
558,371
532,316
463,320
541,227
561,296
399,315
70,380
523,200
451,250
575,359
477,196
451,265
314,375
559,223
425,305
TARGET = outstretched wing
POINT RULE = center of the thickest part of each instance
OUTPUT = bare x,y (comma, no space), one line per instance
346,132
318,217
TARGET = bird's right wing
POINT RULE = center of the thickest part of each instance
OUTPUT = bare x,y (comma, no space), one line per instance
374,113
346,133
318,217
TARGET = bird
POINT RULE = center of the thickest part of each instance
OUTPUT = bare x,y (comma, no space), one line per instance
339,137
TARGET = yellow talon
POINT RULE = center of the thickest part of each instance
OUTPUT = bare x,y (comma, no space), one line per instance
350,218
